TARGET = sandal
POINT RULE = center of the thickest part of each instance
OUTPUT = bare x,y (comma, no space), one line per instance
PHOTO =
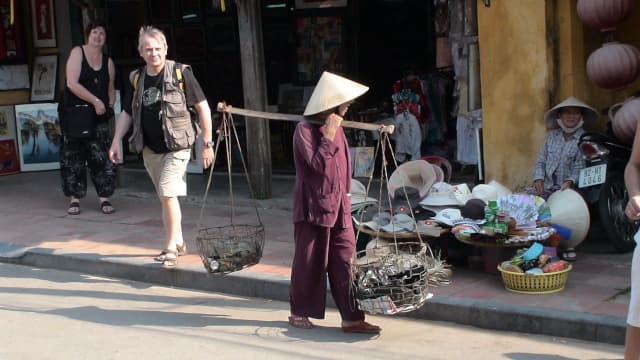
106,207
569,255
362,327
300,322
170,259
74,208
182,250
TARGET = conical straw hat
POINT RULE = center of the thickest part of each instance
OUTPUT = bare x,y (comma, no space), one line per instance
590,115
569,209
332,91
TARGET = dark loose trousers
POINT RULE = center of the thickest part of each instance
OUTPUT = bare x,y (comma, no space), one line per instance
320,251
78,154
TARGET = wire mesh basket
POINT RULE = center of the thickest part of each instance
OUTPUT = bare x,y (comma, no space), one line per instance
230,248
392,278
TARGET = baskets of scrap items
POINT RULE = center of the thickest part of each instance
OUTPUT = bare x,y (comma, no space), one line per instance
394,278
229,248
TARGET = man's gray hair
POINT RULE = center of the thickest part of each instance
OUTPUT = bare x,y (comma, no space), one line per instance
151,32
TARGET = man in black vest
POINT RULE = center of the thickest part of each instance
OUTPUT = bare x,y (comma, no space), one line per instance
162,93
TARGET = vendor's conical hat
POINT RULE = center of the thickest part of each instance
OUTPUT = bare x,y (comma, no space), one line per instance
590,115
569,209
332,91
417,174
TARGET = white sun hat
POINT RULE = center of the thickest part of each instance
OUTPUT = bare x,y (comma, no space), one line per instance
569,209
589,114
359,196
484,192
418,174
448,216
332,91
440,194
462,193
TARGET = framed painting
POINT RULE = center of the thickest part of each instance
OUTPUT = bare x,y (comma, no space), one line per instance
313,4
363,161
14,77
42,19
320,47
7,123
11,43
8,157
43,81
39,138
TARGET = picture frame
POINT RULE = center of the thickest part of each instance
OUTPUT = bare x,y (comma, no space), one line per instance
43,23
43,80
14,77
7,123
363,161
320,47
314,4
9,163
11,31
39,136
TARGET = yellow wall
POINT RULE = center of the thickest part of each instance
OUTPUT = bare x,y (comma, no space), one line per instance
515,78
533,54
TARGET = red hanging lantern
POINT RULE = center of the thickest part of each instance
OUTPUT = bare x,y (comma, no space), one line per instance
614,65
604,14
625,120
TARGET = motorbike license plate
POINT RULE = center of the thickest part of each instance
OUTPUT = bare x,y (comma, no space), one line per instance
592,175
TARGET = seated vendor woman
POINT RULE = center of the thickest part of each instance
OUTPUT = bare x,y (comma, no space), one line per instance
559,161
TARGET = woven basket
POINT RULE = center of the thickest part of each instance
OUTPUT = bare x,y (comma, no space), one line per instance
546,283
230,248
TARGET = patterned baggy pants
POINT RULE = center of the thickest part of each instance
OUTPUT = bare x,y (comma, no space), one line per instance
78,154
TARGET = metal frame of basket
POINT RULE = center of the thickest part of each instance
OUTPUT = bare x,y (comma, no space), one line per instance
229,248
232,247
393,280
546,283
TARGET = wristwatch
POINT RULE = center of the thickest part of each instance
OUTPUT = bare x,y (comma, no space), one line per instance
208,144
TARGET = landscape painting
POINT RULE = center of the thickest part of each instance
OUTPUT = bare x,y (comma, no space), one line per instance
39,136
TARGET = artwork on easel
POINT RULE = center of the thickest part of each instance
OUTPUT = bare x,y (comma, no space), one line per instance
39,138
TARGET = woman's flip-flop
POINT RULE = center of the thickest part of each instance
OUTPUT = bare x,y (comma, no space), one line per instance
362,327
301,322
106,207
74,208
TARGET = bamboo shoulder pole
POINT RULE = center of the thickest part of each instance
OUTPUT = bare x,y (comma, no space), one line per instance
297,118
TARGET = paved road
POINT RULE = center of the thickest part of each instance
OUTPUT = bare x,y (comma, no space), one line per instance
50,314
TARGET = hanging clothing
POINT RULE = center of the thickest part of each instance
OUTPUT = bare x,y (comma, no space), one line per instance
408,95
467,139
407,136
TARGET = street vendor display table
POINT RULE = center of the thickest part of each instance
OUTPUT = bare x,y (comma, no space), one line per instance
491,252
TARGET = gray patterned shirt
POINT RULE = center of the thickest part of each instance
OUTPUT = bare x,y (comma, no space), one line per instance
559,159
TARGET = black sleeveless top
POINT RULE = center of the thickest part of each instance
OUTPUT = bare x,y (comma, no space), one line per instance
96,81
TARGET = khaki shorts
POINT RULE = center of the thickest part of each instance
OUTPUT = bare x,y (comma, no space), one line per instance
168,171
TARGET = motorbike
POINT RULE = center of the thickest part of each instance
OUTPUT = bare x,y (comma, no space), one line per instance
602,183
